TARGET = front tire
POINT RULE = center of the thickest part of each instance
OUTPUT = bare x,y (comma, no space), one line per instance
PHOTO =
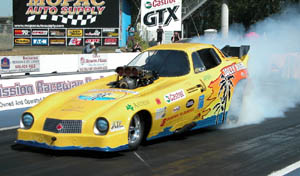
135,132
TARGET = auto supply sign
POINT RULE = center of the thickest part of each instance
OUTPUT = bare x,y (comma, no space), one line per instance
65,13
165,13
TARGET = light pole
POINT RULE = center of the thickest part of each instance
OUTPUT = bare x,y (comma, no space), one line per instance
225,19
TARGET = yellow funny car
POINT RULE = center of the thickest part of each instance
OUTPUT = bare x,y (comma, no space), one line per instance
167,89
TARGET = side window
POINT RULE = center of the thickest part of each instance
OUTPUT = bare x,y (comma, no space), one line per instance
198,63
209,58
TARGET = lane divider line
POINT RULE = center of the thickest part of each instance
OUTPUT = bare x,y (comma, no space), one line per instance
286,170
9,128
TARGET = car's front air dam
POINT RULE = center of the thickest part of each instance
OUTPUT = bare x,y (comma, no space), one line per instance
56,141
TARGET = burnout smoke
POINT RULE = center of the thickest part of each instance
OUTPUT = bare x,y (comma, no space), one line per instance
274,68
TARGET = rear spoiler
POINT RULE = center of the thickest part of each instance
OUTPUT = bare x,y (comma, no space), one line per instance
236,51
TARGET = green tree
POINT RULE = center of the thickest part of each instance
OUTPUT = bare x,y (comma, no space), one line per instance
246,12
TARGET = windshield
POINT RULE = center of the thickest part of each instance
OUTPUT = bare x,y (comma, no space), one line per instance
167,63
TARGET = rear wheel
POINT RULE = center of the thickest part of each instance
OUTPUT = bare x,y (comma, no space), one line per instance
135,132
237,102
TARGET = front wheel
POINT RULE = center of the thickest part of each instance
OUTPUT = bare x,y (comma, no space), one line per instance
135,132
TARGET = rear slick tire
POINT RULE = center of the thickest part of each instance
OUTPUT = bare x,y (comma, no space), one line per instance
235,109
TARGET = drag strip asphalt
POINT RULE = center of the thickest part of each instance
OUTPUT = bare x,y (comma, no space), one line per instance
244,151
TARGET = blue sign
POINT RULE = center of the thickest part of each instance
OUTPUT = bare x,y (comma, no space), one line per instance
40,42
201,102
5,63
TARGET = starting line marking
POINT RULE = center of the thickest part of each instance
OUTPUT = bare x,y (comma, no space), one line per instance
9,128
286,170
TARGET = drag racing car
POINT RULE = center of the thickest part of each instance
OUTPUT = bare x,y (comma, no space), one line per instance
167,89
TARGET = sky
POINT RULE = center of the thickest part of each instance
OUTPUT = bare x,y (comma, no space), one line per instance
6,8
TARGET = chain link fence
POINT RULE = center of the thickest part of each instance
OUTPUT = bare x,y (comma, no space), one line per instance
6,37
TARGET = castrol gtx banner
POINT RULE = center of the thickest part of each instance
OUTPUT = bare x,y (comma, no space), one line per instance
65,13
165,13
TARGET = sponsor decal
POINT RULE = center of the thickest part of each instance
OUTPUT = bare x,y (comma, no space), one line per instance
157,100
129,107
22,32
57,41
201,102
175,96
150,19
165,120
113,34
20,64
73,108
97,41
141,104
158,3
59,127
57,32
166,13
192,89
176,109
75,41
98,97
39,42
91,62
117,126
148,5
103,95
22,41
190,103
75,32
65,11
110,41
108,32
115,90
50,87
66,14
16,90
198,116
92,33
230,70
5,63
39,32
160,113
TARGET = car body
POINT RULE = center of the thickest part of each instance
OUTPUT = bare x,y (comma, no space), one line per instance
167,89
